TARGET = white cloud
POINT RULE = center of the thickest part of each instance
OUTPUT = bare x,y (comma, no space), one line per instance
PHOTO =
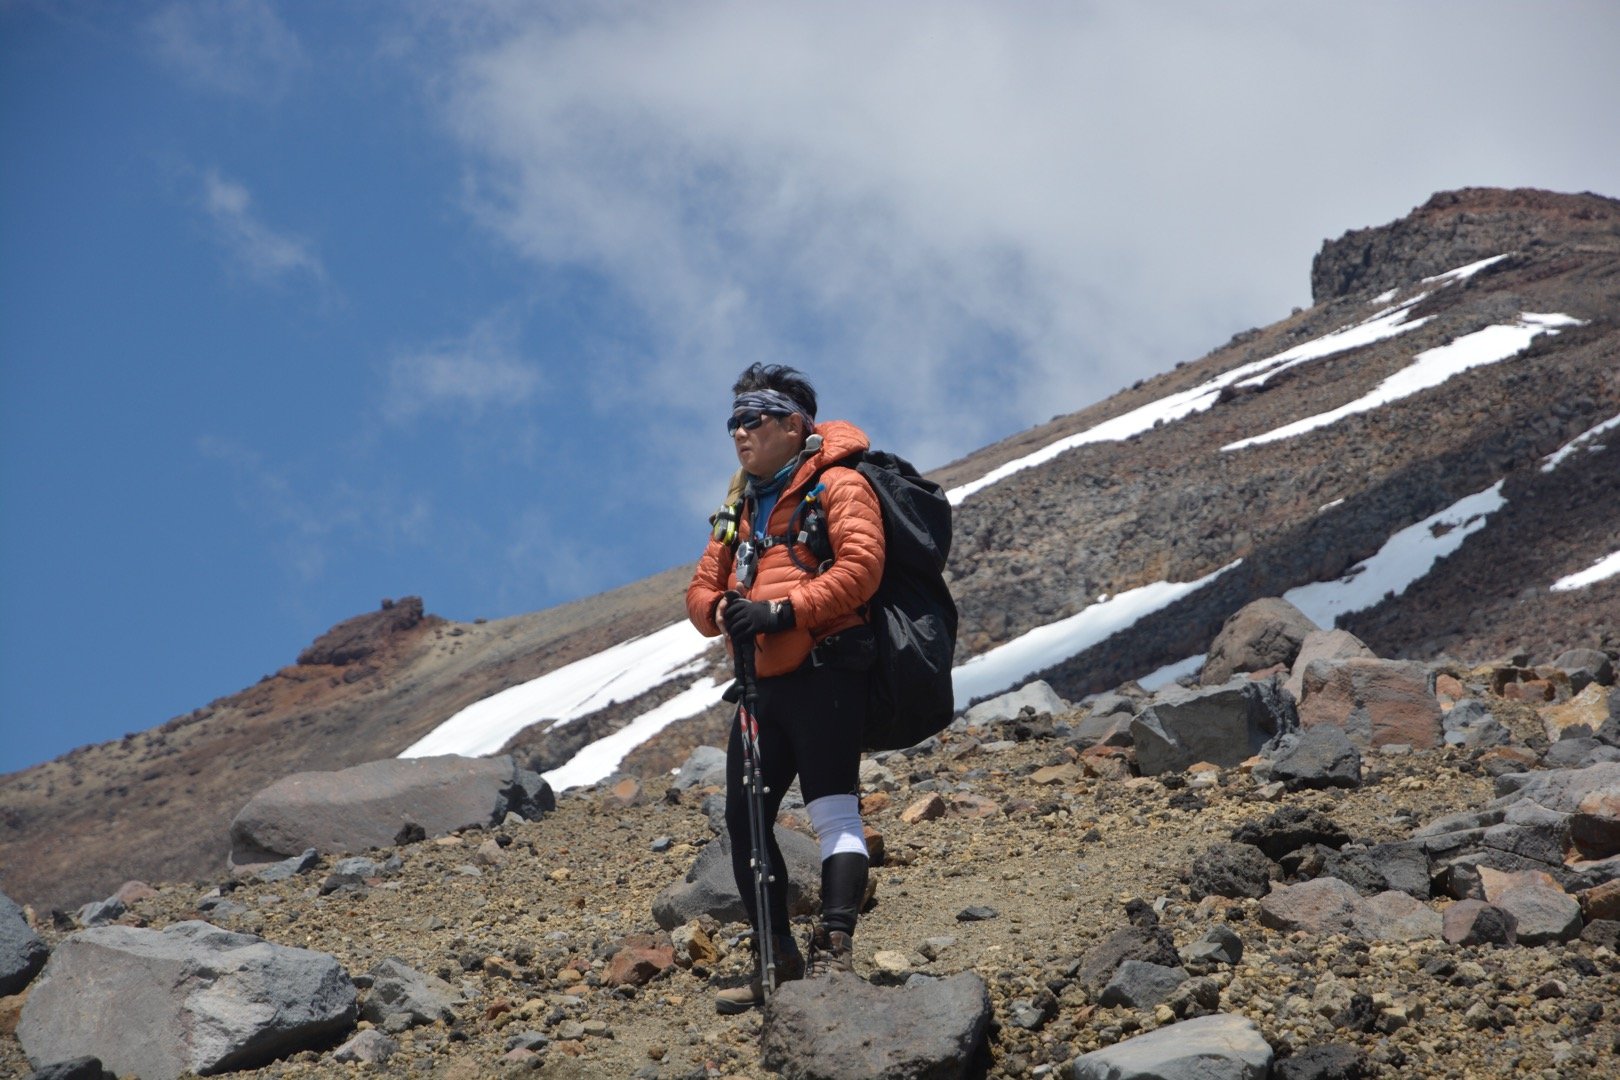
263,252
237,47
465,377
962,218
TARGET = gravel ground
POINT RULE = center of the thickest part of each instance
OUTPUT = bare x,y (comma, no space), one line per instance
527,939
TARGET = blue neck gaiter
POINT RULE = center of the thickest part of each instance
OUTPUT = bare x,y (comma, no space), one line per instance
765,494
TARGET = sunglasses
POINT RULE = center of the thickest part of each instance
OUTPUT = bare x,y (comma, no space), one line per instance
748,419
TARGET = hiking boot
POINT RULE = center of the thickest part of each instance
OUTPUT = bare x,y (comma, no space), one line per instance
789,966
830,950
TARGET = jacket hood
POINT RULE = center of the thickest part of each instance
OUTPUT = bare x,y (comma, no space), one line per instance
839,439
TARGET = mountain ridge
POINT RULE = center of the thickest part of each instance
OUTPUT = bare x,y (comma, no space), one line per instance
1165,503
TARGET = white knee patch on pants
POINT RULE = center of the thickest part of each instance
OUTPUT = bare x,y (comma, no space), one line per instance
837,821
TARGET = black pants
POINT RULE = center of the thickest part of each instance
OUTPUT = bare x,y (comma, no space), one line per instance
810,724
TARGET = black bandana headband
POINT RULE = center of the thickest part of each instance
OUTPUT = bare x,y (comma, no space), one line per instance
773,401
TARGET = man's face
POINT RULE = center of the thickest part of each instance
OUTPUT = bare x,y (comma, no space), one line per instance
768,446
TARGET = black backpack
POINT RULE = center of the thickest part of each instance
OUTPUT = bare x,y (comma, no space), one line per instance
913,616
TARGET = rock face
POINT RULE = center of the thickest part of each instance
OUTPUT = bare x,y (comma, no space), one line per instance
354,640
1454,228
191,997
842,1028
369,805
22,953
1529,827
1223,725
1221,1047
1259,635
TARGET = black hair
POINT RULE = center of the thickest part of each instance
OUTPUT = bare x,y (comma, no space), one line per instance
782,379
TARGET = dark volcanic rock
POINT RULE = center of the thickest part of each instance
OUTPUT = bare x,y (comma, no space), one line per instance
840,1027
1327,1062
1141,985
1232,870
1318,757
1152,944
1223,725
1289,829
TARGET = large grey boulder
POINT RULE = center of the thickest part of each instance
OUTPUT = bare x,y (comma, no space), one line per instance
157,1003
1531,825
710,889
1223,725
1259,635
843,1028
1372,869
1220,1047
22,953
371,805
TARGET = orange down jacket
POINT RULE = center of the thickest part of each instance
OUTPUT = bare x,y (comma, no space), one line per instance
823,604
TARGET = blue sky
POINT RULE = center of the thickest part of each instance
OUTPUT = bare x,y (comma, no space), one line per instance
303,305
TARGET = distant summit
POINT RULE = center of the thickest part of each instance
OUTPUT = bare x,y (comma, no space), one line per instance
1455,228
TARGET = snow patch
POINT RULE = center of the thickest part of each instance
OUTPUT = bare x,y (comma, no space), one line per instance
1013,663
1463,273
1405,557
1557,457
600,759
1606,567
1163,677
1428,369
620,673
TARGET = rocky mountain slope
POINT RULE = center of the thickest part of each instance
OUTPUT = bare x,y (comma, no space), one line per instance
1167,503
1444,907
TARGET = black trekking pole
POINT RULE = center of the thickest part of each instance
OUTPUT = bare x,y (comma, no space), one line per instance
759,836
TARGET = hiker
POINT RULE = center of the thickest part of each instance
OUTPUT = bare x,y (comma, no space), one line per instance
802,609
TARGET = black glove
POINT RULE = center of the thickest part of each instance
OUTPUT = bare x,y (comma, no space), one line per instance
746,618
